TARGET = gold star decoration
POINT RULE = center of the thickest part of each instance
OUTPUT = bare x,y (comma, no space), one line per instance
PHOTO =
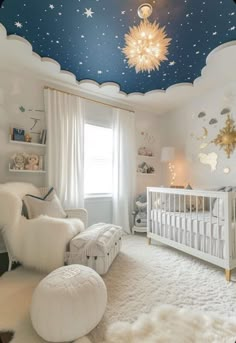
226,138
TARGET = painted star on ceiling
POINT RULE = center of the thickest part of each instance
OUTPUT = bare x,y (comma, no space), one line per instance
88,12
18,24
88,41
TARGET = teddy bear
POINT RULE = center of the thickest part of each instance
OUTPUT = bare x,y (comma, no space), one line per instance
19,160
32,162
145,168
140,213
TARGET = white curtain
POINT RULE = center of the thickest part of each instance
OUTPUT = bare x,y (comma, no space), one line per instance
65,151
124,169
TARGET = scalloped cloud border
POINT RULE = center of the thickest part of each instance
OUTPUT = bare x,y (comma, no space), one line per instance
112,90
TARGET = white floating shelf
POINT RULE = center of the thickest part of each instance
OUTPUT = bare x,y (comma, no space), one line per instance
144,156
28,143
146,174
26,171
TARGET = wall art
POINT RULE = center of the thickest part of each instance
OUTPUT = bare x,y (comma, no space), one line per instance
210,159
226,138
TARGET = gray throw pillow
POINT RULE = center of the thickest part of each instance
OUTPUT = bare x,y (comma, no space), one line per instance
49,205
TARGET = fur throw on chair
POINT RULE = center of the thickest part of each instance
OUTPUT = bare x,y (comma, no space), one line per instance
38,243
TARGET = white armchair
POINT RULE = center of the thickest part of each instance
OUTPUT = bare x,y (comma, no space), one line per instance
41,242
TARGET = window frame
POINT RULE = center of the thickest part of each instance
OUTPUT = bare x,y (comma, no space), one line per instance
96,195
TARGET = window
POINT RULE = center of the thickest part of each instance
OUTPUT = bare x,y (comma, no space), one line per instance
97,160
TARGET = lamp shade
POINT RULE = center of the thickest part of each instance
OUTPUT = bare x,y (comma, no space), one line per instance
167,154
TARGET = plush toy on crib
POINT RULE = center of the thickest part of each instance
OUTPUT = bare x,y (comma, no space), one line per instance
33,162
140,213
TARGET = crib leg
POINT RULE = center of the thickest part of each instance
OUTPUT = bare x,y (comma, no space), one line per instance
149,241
228,274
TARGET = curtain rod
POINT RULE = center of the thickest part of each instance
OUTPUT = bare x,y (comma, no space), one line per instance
82,97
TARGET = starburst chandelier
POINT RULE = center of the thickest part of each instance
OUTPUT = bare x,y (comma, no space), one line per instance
146,44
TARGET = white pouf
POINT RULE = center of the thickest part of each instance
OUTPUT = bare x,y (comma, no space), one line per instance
68,303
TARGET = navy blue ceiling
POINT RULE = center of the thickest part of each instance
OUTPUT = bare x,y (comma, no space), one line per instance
86,37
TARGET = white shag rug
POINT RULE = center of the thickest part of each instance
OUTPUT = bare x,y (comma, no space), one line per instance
141,278
168,323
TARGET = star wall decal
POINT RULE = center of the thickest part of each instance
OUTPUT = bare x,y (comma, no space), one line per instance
88,12
172,63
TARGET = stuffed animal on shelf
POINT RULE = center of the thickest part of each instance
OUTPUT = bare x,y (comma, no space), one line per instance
28,138
32,162
140,213
143,151
19,161
145,168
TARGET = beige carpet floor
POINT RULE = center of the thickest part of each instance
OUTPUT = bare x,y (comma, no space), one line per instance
141,278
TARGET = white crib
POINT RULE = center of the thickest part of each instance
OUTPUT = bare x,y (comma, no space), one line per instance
200,223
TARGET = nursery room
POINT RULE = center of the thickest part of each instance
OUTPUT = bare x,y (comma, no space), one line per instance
117,171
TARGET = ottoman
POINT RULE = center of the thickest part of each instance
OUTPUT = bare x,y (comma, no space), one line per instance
96,247
68,303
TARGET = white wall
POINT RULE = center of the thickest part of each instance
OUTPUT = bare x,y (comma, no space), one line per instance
17,90
26,90
183,130
148,134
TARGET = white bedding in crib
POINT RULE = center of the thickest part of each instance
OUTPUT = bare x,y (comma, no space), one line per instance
197,222
192,229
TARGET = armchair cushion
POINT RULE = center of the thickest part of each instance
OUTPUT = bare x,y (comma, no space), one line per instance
49,205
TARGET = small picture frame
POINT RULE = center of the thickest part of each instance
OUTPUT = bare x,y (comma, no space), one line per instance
18,134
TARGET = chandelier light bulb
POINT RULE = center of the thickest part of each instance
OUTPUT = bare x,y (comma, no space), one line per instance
146,45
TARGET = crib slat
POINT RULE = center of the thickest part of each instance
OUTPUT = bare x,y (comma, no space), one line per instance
155,228
218,227
165,219
197,233
211,243
185,228
169,217
191,222
174,220
179,219
161,214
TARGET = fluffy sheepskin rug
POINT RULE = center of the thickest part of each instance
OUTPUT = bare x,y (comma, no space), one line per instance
38,243
168,323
